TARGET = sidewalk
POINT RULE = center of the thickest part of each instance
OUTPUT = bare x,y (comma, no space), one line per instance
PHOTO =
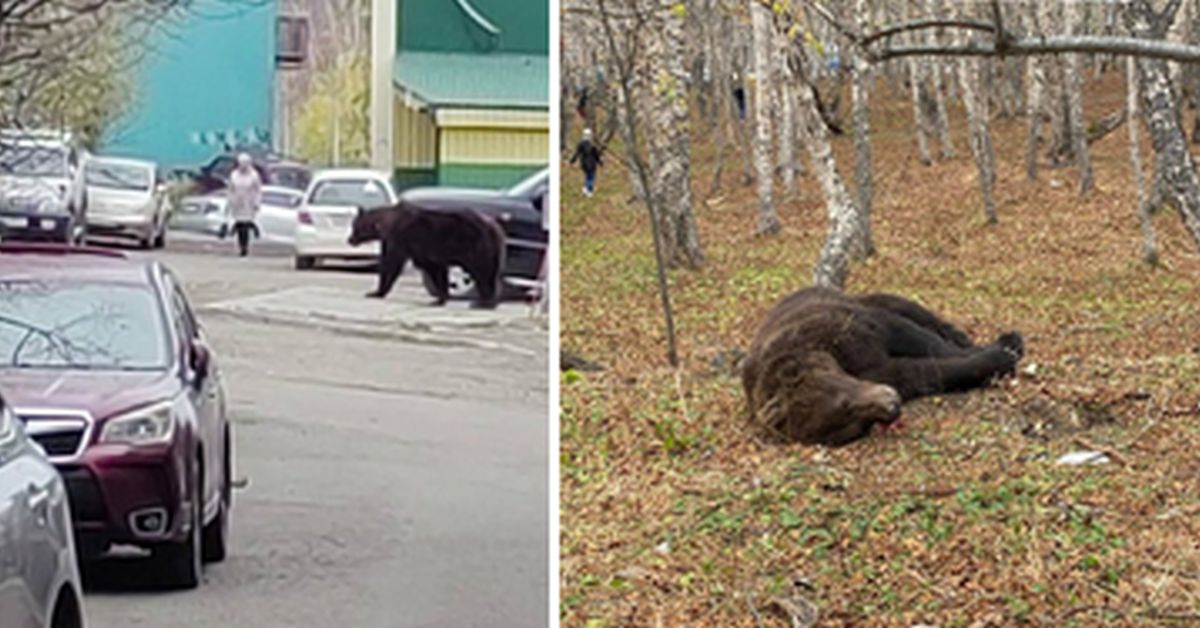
346,310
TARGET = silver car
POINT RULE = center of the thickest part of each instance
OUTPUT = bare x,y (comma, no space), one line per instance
208,214
39,576
125,198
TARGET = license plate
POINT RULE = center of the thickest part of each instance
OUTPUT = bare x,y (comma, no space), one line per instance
339,220
49,224
18,223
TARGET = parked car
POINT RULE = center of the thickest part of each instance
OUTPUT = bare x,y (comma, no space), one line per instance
127,198
208,214
42,195
103,359
518,209
330,204
272,168
39,573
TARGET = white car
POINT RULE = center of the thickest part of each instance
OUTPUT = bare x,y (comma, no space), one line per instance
42,194
125,198
208,214
330,204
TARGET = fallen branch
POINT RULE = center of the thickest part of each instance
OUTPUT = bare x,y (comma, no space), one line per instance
1106,125
1108,451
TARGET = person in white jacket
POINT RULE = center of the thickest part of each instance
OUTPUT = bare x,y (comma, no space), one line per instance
245,195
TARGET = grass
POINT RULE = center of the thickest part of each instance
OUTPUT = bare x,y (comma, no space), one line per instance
673,513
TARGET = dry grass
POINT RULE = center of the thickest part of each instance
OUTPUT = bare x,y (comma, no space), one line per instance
674,514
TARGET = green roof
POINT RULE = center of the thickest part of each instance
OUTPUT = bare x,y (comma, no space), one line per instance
495,80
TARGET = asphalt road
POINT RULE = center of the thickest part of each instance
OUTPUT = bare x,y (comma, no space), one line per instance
391,483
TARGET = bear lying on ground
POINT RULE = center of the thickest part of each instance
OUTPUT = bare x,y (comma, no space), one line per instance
434,240
825,366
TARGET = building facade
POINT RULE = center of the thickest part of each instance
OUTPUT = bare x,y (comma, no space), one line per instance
472,82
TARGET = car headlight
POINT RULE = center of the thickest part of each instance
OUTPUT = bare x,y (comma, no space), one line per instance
153,424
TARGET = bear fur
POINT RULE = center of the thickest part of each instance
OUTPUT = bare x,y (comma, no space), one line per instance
825,367
434,240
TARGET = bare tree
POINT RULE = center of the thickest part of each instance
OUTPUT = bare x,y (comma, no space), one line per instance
916,79
1149,246
860,95
981,140
941,117
1074,93
670,143
787,116
768,218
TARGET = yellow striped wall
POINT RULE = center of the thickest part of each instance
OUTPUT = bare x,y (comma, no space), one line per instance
414,136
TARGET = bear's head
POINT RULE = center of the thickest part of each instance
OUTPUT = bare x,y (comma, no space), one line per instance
810,399
365,227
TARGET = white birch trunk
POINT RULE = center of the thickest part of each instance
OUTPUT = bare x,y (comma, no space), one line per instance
670,157
768,218
1073,71
1149,246
787,119
981,142
916,80
942,118
864,244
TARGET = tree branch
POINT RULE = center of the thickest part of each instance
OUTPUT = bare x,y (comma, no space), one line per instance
1157,49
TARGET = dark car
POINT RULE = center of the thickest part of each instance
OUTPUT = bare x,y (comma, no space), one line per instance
102,359
518,209
272,168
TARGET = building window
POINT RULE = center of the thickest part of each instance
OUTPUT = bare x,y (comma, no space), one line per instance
291,37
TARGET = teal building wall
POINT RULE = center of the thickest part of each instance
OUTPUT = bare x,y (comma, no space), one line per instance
209,70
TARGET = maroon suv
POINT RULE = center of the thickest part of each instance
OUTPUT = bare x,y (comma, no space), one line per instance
103,360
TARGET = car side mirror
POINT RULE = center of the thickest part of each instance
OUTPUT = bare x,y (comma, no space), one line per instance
200,359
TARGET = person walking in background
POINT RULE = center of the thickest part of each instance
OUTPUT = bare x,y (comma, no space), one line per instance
245,194
588,155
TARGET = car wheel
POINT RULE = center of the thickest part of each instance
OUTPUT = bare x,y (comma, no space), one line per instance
180,563
216,533
67,613
461,284
305,262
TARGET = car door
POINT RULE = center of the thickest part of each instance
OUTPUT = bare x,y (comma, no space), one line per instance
206,398
18,604
522,222
277,215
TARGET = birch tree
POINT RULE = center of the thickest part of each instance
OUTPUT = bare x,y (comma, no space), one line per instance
768,218
1149,246
860,96
976,104
941,117
670,156
787,117
1073,87
916,80
1174,162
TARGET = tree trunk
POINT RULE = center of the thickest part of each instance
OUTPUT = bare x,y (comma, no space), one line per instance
1149,246
981,141
864,244
787,118
1072,71
942,119
834,263
768,218
1175,164
916,80
670,157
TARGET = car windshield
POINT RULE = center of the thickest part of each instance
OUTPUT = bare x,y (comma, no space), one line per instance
118,176
80,326
526,187
349,193
33,161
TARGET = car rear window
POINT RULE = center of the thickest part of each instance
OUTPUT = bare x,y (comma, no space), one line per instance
107,326
348,193
281,199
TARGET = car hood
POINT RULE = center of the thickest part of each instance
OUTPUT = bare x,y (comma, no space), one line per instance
100,393
31,189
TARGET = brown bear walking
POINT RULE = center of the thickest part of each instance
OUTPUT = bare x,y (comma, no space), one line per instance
825,366
434,240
